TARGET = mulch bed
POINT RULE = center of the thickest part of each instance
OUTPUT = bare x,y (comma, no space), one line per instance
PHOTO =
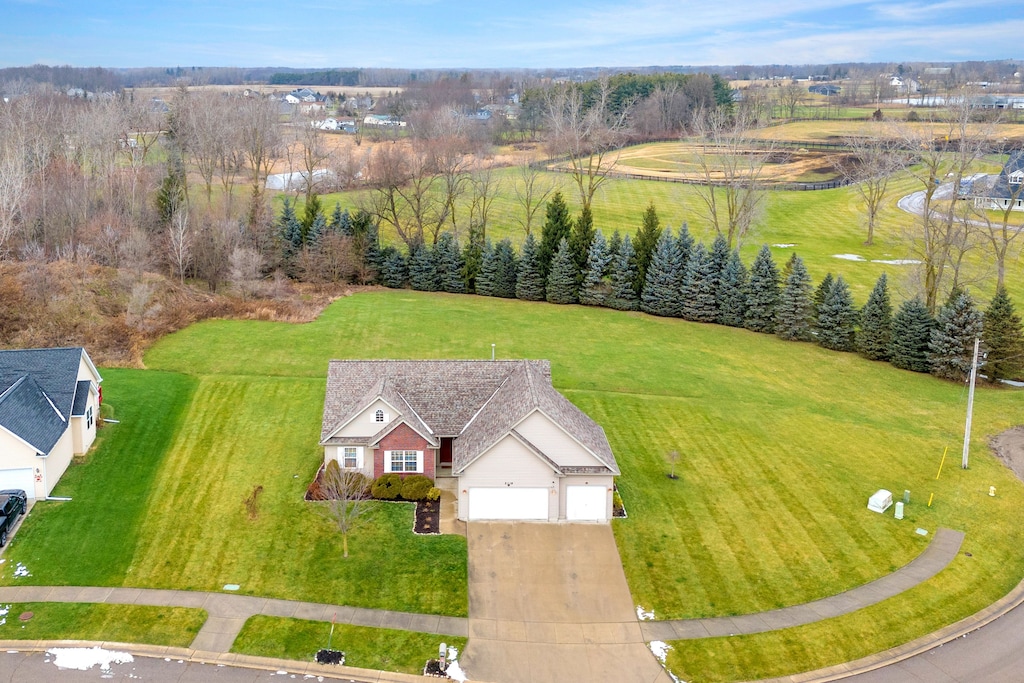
326,656
428,517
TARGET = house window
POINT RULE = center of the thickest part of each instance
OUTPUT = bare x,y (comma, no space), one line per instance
350,457
405,461
378,416
88,418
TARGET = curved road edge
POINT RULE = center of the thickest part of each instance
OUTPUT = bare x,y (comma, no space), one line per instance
879,660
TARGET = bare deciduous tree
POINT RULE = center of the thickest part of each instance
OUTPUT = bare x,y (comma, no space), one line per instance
260,137
1001,232
790,97
872,162
180,244
532,188
344,491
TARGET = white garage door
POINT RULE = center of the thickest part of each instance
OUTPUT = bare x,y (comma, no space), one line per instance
18,479
586,503
508,503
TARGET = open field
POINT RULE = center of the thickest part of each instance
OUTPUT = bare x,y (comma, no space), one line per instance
838,130
364,647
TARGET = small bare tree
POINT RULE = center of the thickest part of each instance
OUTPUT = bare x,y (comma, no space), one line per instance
532,189
874,159
344,491
1002,230
180,243
672,457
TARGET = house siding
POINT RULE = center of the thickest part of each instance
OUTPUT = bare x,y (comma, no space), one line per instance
552,440
404,438
18,456
509,463
55,464
364,424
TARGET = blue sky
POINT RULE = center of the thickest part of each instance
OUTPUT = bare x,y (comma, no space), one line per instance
528,33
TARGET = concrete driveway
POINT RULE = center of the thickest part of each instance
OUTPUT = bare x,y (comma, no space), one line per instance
549,602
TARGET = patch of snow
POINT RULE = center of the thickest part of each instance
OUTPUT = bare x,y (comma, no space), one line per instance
85,658
644,615
897,261
784,245
660,649
453,654
455,672
849,257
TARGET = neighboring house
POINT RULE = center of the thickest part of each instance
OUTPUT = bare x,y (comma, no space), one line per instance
1003,191
827,89
49,406
383,120
519,449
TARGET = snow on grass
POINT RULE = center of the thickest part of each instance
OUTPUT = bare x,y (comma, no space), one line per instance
4,611
660,650
455,672
784,245
22,570
897,261
85,658
849,257
644,615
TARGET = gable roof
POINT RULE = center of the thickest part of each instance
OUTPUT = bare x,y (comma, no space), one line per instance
999,187
39,390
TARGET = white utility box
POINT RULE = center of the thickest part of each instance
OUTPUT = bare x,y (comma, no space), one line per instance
880,501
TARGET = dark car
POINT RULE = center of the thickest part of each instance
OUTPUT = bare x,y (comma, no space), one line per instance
12,506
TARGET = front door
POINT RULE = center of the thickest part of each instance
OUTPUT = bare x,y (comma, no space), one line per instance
446,451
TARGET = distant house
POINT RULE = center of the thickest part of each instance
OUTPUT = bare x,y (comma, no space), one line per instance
826,89
49,407
383,121
904,85
1003,191
519,449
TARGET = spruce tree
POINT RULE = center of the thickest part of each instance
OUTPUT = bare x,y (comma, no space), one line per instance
762,293
911,332
732,292
821,293
594,288
661,293
719,255
394,272
684,245
1004,339
623,295
874,337
488,270
505,275
581,238
561,285
951,349
369,238
310,212
699,292
644,244
837,317
472,259
316,230
449,264
337,216
557,226
289,229
614,245
793,315
423,269
529,278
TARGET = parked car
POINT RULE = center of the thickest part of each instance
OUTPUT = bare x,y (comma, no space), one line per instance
12,506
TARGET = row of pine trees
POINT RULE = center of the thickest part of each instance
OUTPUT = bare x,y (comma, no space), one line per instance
672,275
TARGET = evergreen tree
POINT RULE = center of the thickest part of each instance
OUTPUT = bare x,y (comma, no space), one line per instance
530,278
581,238
645,242
312,209
290,229
820,294
472,259
173,193
316,230
623,295
911,333
836,318
488,270
614,245
793,315
684,245
505,276
557,227
732,292
423,274
561,286
394,273
951,349
594,288
1004,339
874,337
762,293
699,291
449,264
719,258
369,239
662,289
337,217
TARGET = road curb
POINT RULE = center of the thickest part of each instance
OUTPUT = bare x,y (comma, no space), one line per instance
903,652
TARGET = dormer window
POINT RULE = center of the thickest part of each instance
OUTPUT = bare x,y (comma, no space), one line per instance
1017,177
378,416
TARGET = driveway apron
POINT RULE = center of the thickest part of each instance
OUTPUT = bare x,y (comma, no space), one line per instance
549,602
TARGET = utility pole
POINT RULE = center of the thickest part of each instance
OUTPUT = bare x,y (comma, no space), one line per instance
970,404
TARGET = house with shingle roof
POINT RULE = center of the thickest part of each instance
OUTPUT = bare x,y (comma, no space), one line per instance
517,447
1003,191
49,406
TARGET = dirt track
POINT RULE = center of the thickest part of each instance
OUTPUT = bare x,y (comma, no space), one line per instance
1009,447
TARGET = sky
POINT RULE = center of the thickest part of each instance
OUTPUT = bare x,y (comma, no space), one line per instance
504,34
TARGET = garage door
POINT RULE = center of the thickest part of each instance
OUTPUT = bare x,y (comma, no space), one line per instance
18,479
508,503
586,503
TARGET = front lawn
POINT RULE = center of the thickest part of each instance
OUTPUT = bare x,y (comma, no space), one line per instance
364,647
171,626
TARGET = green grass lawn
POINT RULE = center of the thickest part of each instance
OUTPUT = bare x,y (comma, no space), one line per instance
364,647
172,626
781,443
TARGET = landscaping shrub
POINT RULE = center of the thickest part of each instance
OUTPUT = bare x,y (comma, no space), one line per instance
387,486
434,493
416,487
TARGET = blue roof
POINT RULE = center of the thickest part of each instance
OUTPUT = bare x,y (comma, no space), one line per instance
37,393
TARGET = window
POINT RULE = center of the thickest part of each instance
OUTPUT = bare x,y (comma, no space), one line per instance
350,457
404,461
378,416
88,418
